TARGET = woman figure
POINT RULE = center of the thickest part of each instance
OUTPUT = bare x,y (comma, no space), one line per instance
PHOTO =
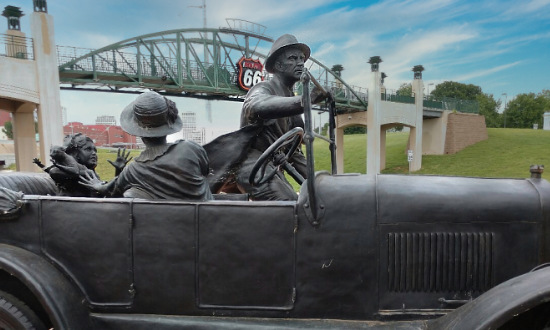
163,170
77,156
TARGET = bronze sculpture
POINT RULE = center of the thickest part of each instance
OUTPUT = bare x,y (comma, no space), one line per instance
385,252
163,170
269,111
77,156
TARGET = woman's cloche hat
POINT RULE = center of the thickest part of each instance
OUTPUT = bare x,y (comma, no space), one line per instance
151,115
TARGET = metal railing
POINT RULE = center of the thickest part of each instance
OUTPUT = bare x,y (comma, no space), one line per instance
448,103
444,103
133,65
16,47
342,94
397,98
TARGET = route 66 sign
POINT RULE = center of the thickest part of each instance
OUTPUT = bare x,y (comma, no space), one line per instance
250,72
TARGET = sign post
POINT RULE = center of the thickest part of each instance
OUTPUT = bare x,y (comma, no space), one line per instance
410,157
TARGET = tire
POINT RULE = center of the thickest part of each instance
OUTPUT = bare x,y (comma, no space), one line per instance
15,315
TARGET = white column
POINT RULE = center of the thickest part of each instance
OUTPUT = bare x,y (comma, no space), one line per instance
415,137
373,125
24,138
382,148
339,137
50,124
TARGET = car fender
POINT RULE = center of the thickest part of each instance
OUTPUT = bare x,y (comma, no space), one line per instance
500,304
59,298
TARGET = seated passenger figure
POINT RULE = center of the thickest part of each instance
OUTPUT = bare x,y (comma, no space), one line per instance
163,170
77,156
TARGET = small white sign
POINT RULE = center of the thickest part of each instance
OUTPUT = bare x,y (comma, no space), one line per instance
410,155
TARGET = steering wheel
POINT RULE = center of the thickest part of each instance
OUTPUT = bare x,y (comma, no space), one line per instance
278,156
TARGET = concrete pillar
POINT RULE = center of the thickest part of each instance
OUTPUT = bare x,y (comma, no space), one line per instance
339,137
434,133
50,125
24,138
382,147
415,136
373,125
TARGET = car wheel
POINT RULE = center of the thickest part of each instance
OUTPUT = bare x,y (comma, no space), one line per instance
14,314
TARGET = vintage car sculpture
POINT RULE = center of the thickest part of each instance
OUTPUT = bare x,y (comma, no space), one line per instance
354,252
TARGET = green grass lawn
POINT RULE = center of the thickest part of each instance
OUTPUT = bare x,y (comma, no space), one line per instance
105,170
507,153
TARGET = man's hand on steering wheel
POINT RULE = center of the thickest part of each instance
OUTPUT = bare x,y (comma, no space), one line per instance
279,159
278,153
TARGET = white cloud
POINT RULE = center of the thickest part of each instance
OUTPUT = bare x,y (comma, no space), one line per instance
97,40
485,72
518,8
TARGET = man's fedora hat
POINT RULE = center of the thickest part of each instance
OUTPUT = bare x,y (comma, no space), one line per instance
284,41
151,115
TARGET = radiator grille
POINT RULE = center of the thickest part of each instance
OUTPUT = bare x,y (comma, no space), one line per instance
459,262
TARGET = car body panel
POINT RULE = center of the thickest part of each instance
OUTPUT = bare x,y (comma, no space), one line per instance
385,247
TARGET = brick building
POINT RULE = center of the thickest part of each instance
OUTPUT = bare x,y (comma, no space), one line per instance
103,135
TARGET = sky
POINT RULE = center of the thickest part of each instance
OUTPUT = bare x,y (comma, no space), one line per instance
502,46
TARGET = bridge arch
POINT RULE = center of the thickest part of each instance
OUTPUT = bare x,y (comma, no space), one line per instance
186,62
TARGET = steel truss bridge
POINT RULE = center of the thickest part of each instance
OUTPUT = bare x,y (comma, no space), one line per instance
202,63
199,63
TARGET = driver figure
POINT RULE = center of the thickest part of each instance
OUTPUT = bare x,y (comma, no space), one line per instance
273,106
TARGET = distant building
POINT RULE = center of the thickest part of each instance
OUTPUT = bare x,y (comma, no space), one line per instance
189,121
189,130
106,120
546,125
197,136
103,135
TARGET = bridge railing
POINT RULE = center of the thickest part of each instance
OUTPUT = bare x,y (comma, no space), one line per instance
444,103
390,97
342,94
449,103
144,67
66,54
16,47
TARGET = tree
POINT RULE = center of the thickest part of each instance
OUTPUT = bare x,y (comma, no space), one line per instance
405,90
8,130
456,90
488,107
355,130
324,129
527,109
